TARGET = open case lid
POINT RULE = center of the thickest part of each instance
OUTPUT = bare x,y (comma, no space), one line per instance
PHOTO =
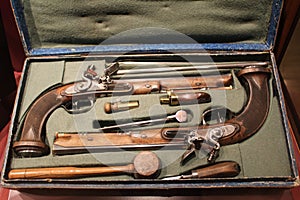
74,27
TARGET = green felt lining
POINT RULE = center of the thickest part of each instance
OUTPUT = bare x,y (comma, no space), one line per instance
75,23
264,154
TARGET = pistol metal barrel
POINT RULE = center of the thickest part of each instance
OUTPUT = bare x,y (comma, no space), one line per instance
147,67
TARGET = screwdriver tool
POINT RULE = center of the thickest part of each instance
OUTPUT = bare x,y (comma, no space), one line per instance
218,170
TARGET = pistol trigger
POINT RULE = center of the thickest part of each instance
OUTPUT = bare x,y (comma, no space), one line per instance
92,103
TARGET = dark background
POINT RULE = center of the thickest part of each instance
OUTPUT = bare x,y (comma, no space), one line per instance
286,50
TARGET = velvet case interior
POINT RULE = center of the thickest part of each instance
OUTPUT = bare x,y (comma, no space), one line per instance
264,154
52,24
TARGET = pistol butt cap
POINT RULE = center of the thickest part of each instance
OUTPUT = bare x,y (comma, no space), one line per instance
30,148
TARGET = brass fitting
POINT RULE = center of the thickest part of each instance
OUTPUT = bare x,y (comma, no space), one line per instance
120,106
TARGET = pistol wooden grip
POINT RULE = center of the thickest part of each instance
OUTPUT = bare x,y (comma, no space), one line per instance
256,111
31,142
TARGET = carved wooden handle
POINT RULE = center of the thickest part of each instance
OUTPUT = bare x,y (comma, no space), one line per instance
31,142
256,111
219,170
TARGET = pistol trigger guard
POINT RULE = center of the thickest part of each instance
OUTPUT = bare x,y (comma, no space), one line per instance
219,114
75,106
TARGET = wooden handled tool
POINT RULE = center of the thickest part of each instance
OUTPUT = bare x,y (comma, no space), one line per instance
145,165
218,170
